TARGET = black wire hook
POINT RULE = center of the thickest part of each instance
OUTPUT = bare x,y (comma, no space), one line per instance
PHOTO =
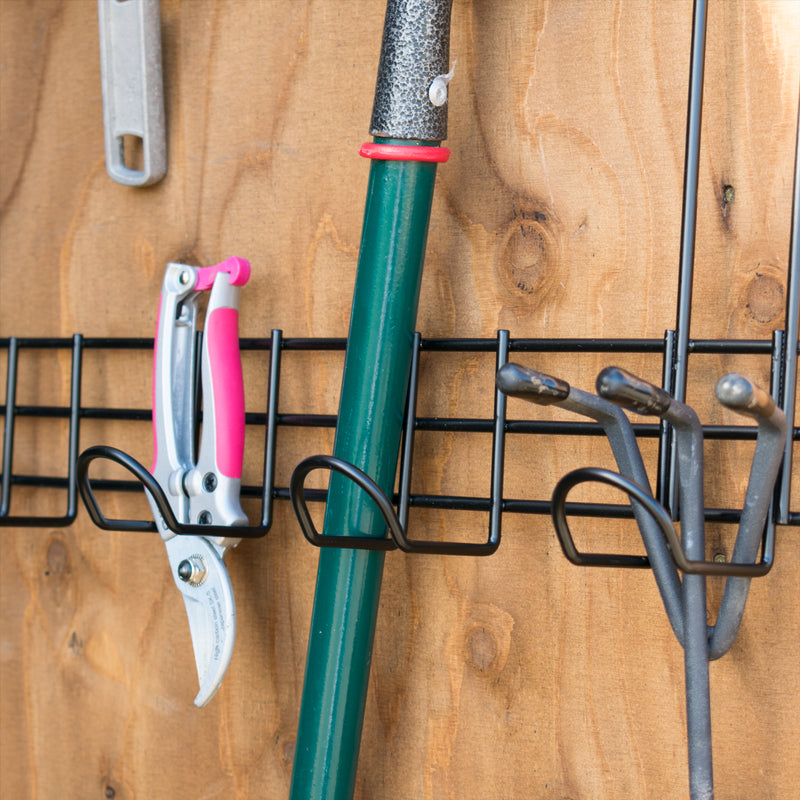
397,538
363,481
159,496
659,514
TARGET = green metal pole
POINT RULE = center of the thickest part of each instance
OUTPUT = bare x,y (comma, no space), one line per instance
374,387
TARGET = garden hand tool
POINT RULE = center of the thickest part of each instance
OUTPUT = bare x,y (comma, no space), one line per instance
684,599
409,122
701,643
201,490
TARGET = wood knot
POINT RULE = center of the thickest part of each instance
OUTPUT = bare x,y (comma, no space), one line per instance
765,300
57,558
288,750
481,648
487,640
75,644
528,259
728,195
524,265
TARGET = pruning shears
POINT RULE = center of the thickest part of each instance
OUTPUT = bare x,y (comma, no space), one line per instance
202,489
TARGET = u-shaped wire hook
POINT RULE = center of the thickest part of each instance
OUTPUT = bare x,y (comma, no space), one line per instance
659,514
364,482
396,522
104,452
739,394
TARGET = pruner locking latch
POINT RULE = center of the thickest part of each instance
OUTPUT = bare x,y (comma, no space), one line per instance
202,489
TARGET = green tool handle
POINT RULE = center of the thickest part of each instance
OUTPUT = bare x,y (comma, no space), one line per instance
408,123
374,386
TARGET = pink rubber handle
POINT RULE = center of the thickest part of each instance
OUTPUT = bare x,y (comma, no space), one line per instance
237,268
227,384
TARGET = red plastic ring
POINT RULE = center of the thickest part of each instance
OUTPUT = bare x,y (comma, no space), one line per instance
403,152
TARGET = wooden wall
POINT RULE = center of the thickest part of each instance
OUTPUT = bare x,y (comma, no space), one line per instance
518,676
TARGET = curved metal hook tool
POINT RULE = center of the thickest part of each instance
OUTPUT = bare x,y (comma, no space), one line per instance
684,600
739,394
736,392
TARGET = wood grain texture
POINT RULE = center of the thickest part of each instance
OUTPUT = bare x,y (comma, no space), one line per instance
518,676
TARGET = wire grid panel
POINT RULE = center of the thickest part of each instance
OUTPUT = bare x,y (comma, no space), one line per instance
493,502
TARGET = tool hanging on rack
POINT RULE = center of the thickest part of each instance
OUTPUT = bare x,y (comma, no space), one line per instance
409,122
133,91
194,499
684,600
681,463
654,532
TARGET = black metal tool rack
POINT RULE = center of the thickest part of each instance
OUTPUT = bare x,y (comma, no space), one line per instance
674,350
783,357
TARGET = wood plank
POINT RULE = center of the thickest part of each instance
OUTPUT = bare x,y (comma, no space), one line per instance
557,215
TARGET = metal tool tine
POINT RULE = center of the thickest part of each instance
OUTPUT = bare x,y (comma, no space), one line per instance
739,394
528,384
628,390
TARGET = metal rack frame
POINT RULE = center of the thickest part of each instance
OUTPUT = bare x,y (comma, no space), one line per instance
494,503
